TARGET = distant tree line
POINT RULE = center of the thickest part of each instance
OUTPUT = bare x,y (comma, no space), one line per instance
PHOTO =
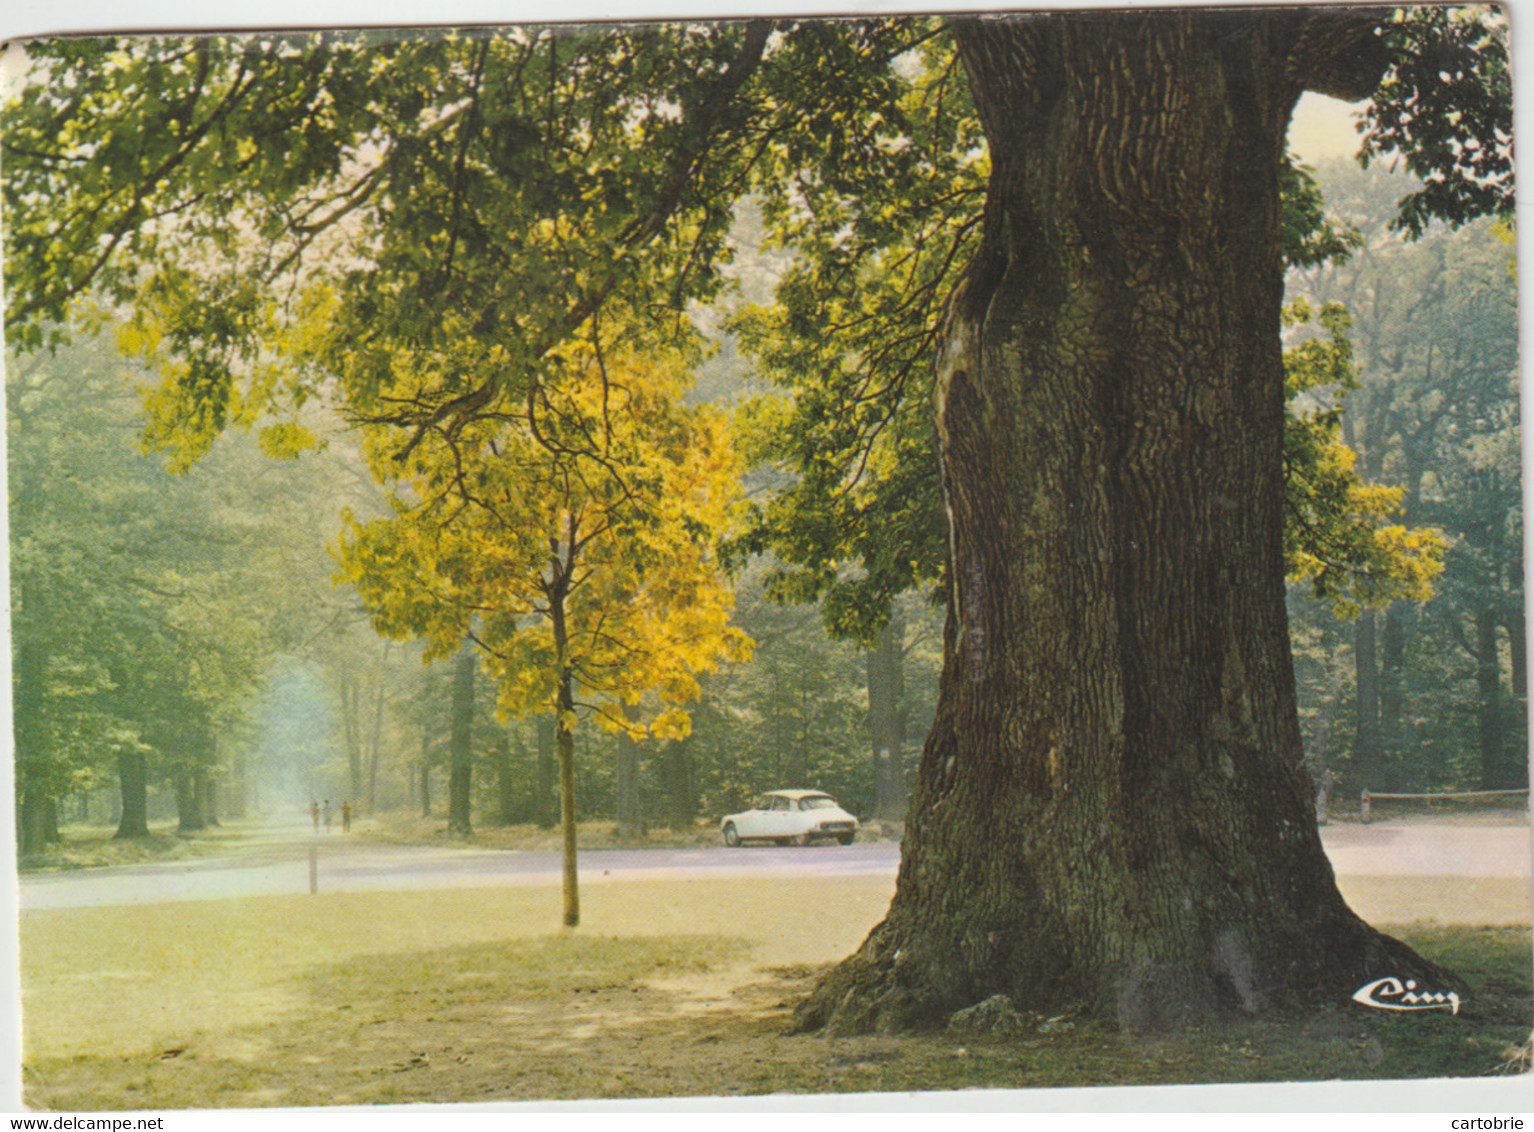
1425,696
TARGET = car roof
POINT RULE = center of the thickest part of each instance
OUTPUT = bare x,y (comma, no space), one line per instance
796,794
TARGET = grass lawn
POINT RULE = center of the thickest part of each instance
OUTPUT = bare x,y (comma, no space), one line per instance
671,988
94,846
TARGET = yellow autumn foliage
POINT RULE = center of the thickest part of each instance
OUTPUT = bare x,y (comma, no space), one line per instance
572,536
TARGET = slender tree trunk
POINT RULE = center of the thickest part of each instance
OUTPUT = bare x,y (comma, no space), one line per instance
31,822
236,800
133,782
1489,711
375,750
351,731
565,744
779,711
630,800
1393,684
681,797
802,736
505,780
206,788
188,810
564,730
425,769
1518,648
1372,771
545,808
1111,812
461,750
886,720
1320,754
31,752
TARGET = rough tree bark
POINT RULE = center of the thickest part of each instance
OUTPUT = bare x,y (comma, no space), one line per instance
1111,813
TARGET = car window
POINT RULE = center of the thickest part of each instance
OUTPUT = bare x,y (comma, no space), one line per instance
818,802
762,803
782,804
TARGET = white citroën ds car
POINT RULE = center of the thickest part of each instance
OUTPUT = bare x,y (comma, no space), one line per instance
797,816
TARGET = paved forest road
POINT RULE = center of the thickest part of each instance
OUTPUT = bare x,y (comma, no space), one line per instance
277,861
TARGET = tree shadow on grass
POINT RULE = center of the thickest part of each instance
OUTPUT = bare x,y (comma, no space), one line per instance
572,1016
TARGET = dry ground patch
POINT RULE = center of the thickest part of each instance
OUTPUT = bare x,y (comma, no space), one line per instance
670,988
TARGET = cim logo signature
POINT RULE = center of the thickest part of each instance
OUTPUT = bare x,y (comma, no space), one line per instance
1390,994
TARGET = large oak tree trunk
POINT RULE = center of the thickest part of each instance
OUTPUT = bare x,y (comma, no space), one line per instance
1111,812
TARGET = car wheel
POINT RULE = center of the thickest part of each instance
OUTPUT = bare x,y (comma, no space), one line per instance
731,838
845,838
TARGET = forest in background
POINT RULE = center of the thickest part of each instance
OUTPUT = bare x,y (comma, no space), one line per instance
180,649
